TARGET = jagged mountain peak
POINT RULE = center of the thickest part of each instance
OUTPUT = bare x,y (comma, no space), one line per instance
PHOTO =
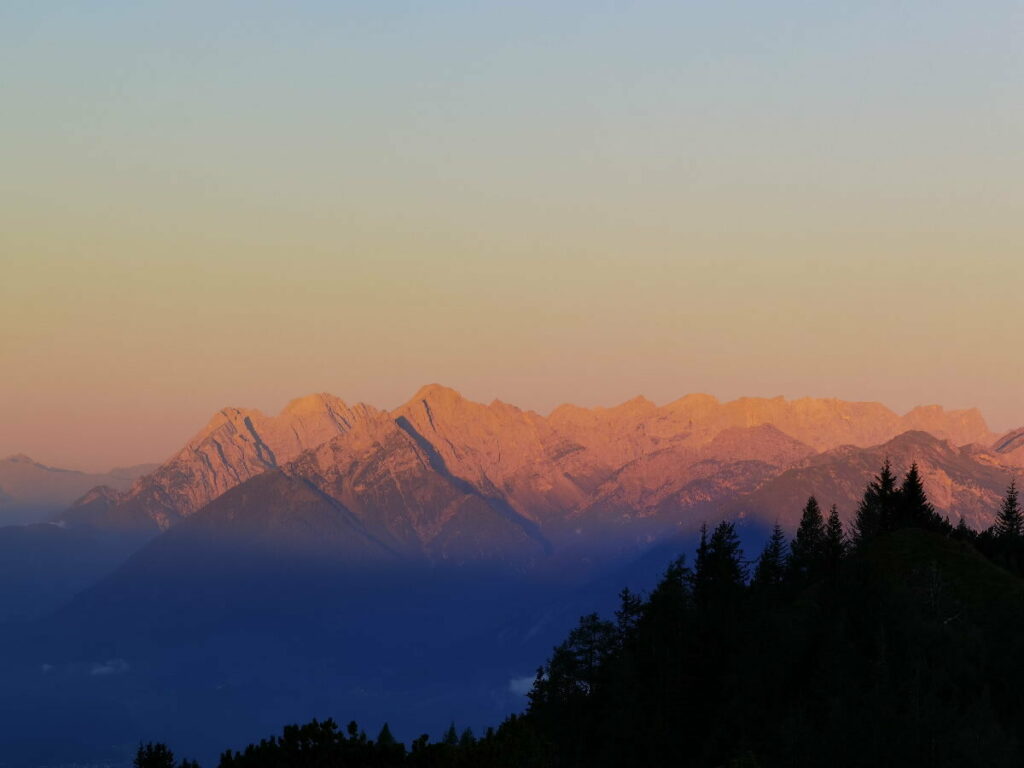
316,402
638,405
323,404
694,401
234,446
438,393
916,438
437,408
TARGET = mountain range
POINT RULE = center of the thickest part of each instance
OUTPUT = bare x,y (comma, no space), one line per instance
418,558
637,459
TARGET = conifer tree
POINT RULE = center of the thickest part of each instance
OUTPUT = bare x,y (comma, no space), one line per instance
836,543
1009,524
700,568
807,552
721,571
771,565
385,738
963,532
913,507
630,610
877,508
451,736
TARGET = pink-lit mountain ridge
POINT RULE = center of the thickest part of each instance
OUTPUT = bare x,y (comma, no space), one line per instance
443,477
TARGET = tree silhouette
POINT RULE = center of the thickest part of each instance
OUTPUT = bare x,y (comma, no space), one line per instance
771,565
700,567
384,738
1009,525
806,553
913,507
836,543
629,612
153,755
451,736
877,509
720,574
963,532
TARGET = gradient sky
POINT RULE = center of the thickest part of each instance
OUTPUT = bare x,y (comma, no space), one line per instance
234,203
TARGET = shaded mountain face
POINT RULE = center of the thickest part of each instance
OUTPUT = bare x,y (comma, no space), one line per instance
30,491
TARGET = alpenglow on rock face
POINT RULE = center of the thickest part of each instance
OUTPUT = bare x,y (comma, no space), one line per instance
236,445
409,473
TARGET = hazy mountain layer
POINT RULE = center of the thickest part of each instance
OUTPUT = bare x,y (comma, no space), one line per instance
30,491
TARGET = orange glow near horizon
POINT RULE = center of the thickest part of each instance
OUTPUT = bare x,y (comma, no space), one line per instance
540,204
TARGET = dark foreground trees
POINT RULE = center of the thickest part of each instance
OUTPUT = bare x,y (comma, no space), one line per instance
902,647
156,755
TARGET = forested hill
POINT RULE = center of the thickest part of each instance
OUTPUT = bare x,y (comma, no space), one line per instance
900,642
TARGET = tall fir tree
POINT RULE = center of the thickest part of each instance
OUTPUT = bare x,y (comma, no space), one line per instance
836,545
725,557
720,573
1009,525
877,508
913,507
451,736
771,565
964,532
629,612
389,751
807,552
699,576
385,738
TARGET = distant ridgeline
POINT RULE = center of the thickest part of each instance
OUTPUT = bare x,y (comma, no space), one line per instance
899,642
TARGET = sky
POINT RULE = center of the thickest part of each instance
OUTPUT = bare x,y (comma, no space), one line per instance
206,204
